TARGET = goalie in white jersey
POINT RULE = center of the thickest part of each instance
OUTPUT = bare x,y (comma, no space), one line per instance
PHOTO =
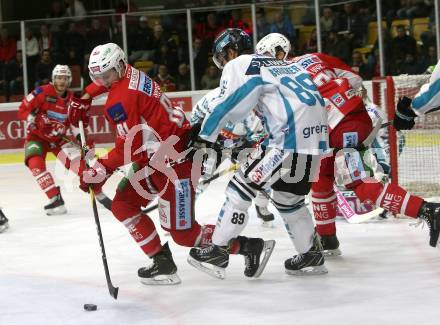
233,138
295,120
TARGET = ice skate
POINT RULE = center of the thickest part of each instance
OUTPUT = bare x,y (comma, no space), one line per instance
309,263
56,205
330,245
4,222
252,249
430,213
265,215
163,271
212,260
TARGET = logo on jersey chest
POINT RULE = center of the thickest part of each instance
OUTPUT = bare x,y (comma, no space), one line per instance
60,117
51,99
117,113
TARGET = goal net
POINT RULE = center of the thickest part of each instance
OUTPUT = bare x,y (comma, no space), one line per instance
414,154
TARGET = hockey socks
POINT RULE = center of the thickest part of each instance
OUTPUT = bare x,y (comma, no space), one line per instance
143,231
324,211
390,197
43,177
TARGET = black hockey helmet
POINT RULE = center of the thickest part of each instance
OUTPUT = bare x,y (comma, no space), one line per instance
231,38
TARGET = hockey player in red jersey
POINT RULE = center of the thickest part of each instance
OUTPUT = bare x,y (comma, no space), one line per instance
153,136
45,110
350,129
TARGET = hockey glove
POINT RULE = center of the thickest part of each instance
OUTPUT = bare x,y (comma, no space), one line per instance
79,110
247,145
94,176
404,116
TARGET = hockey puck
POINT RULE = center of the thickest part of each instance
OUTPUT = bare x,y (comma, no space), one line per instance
90,307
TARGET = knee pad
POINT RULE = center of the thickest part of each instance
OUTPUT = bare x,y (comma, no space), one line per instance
240,195
33,149
122,209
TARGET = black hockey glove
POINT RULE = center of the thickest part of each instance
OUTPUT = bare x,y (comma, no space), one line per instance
246,145
404,116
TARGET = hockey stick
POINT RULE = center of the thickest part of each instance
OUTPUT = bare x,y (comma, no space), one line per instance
231,168
112,290
349,214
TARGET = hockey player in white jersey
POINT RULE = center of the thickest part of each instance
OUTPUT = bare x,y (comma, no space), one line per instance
350,134
234,137
294,117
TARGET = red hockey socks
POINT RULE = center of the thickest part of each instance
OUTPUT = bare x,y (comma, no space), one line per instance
143,231
37,166
390,197
324,211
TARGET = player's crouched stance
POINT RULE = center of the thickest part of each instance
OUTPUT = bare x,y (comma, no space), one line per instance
153,136
286,99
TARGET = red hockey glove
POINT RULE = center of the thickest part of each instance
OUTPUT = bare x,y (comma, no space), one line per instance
79,110
94,176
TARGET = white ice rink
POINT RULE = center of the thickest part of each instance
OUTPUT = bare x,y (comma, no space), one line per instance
51,266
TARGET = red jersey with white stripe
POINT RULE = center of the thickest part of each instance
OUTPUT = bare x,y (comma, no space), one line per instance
336,82
45,103
143,117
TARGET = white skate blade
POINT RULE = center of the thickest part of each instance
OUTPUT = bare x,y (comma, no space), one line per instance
56,211
269,245
212,270
4,227
332,252
310,270
163,279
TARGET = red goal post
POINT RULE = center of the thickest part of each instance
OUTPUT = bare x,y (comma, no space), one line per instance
414,154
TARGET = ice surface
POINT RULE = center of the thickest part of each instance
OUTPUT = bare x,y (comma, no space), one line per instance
50,266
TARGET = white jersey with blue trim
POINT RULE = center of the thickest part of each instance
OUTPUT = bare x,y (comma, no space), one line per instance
201,108
282,93
233,133
428,97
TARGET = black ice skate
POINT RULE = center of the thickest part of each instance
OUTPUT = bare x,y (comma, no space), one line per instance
163,271
252,248
212,260
265,215
4,224
56,205
309,263
430,212
330,245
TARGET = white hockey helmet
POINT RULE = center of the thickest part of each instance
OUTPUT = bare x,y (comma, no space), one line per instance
62,70
103,59
272,43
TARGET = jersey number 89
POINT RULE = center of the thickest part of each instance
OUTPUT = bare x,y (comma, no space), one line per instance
304,89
